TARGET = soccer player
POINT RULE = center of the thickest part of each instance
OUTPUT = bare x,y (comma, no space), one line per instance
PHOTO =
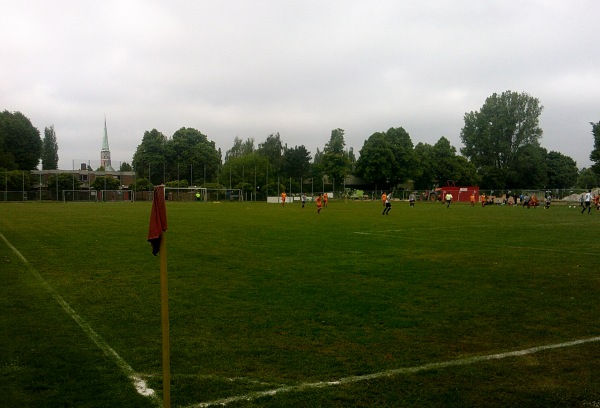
383,197
319,202
597,201
548,201
411,200
534,201
283,196
587,201
473,199
303,198
448,199
325,199
388,205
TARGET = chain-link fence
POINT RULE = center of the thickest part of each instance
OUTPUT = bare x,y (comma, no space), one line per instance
48,185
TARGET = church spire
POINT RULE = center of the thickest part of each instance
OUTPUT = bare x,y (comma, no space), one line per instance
105,152
105,139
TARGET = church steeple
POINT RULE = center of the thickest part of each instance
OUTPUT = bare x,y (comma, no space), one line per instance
105,152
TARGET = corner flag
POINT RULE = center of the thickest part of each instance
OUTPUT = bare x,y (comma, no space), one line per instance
157,237
158,219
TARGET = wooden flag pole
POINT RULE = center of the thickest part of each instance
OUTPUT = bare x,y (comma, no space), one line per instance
164,310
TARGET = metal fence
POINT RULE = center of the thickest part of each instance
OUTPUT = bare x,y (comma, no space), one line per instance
26,186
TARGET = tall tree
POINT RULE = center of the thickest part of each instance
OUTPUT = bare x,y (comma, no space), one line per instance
149,157
495,136
316,169
444,160
246,172
240,148
587,179
562,170
425,176
49,150
595,154
404,155
20,142
530,169
191,150
439,163
272,149
336,163
125,167
375,162
387,158
296,162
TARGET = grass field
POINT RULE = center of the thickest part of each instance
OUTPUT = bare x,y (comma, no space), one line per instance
281,307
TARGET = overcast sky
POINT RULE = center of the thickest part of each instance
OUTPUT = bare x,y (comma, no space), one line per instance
301,68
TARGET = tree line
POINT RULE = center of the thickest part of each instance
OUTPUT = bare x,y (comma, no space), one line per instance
501,150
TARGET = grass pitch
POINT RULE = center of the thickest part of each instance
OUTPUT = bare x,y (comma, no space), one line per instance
279,306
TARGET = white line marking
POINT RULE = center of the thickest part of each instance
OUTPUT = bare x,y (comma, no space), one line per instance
391,373
138,382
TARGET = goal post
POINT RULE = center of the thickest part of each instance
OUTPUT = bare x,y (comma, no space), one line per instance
225,194
116,195
189,194
79,196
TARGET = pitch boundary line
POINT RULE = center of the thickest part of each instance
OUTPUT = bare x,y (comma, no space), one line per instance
392,373
138,382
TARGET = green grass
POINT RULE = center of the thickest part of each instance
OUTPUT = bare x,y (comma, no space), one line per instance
264,297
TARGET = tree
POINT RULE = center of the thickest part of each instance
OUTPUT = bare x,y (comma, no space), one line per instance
191,149
529,169
495,136
240,148
587,179
49,150
595,154
444,157
375,162
296,162
62,181
106,183
425,172
244,171
141,184
387,158
404,155
17,180
465,172
336,163
149,157
125,167
439,163
562,171
20,142
272,149
207,160
316,169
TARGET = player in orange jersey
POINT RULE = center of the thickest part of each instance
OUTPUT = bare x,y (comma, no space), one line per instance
319,201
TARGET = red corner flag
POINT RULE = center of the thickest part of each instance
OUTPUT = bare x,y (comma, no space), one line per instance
158,219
